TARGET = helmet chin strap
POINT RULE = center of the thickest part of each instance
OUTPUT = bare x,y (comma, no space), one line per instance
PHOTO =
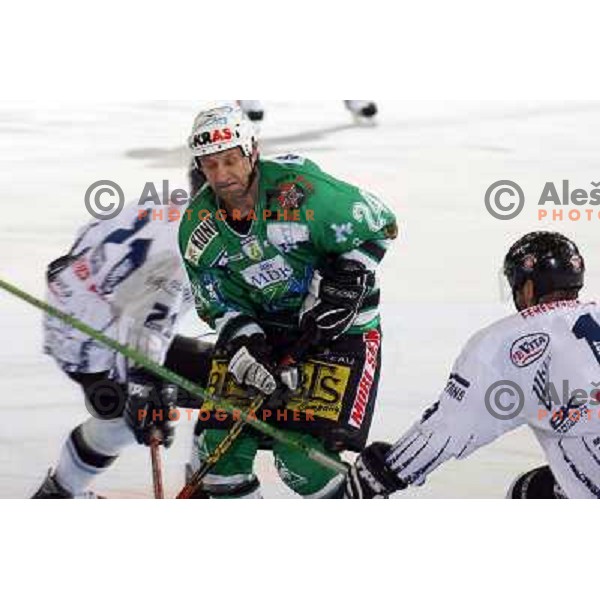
253,175
535,299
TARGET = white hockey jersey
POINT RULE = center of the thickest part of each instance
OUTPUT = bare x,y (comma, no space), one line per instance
541,368
125,278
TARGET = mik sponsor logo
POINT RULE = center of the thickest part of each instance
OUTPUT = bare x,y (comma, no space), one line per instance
267,273
528,349
365,385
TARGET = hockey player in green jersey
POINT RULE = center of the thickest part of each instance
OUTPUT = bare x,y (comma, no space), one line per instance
282,259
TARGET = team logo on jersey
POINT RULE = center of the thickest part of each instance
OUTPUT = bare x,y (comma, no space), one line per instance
268,273
529,262
291,193
358,413
203,235
290,196
577,263
252,249
528,349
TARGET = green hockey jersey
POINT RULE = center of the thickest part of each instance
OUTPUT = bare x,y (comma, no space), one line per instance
303,216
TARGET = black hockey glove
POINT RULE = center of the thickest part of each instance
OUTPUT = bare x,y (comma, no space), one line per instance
336,295
370,477
150,403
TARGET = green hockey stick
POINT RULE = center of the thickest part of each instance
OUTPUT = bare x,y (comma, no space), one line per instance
168,375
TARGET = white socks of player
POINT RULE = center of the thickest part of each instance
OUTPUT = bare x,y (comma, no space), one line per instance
90,450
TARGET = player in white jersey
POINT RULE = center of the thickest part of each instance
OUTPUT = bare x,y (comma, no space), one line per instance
540,367
124,277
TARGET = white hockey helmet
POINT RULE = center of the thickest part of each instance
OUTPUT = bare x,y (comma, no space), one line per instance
222,128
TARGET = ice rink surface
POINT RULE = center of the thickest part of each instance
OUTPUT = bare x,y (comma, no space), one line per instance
431,162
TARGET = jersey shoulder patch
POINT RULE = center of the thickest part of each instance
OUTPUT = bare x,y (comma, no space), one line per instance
198,230
520,344
290,183
200,239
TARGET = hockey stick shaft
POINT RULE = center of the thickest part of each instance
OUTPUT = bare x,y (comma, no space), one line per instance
157,475
167,375
196,481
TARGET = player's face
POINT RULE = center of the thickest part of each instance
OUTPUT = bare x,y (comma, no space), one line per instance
228,174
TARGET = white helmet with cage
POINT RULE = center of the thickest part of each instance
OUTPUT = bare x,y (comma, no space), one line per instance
220,129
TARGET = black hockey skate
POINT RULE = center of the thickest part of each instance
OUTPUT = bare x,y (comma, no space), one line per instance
52,490
362,109
253,109
256,116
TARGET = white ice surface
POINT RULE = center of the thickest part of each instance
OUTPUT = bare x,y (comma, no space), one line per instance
431,162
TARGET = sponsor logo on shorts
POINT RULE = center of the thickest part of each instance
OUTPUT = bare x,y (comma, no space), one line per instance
358,413
320,394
